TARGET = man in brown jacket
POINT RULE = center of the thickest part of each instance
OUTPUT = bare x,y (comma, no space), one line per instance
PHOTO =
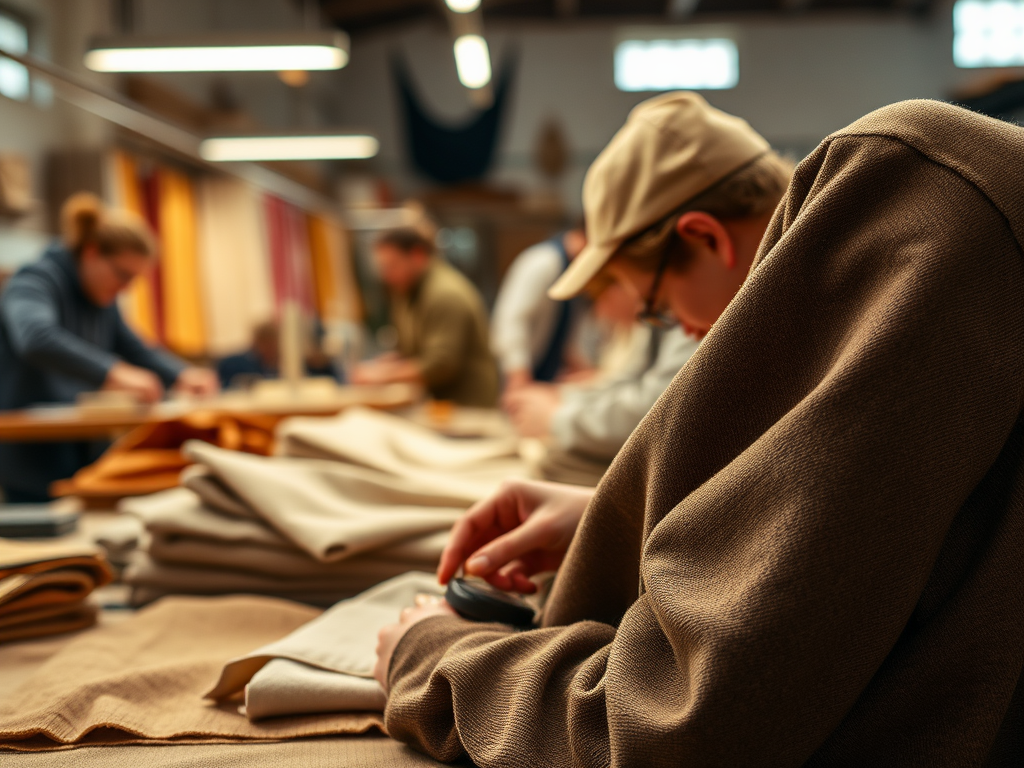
441,322
809,552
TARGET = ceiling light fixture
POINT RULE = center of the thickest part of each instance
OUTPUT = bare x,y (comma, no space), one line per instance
463,6
228,149
473,61
224,53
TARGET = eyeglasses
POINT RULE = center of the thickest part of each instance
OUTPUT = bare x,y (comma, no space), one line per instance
649,315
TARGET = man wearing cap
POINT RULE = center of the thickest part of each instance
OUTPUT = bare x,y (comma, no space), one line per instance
809,551
681,181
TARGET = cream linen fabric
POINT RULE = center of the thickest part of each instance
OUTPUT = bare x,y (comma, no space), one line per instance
326,665
470,469
142,680
328,510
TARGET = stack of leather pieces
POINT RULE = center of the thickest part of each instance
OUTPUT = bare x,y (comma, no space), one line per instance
44,588
148,459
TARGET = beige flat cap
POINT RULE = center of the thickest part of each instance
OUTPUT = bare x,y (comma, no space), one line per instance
672,148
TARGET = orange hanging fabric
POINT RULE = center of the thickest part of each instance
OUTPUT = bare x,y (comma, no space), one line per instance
337,297
184,327
139,302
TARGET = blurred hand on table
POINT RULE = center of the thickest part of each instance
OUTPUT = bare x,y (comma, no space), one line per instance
143,385
197,382
532,408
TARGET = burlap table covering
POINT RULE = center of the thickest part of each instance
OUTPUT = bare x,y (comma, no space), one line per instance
143,680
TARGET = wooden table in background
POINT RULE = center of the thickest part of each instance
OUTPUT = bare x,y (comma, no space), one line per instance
76,423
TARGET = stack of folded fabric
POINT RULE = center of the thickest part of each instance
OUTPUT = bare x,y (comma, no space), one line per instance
308,530
357,499
403,449
44,588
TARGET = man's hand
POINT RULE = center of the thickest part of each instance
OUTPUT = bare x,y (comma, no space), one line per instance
197,382
387,638
532,409
387,369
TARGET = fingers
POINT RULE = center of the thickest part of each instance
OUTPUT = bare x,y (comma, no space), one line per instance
506,548
480,524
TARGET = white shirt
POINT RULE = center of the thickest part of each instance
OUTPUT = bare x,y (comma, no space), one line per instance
597,421
524,317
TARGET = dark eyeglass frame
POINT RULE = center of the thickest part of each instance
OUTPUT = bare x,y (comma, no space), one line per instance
649,315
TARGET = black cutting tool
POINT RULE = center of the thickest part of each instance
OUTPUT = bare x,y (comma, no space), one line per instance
479,601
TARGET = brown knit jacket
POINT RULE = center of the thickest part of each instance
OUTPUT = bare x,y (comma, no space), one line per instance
811,551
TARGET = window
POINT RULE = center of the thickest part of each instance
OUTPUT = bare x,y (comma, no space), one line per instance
710,63
14,82
988,33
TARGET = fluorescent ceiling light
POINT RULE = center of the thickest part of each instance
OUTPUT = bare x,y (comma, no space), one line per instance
988,33
473,61
463,6
665,65
234,53
256,148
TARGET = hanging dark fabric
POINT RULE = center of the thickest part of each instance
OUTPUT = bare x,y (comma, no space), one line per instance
451,154
546,369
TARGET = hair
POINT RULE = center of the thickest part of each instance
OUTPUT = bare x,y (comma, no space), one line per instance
86,222
407,240
753,190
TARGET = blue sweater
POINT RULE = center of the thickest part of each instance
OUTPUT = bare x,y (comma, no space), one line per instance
54,344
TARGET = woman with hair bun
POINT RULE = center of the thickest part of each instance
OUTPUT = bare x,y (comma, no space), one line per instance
61,334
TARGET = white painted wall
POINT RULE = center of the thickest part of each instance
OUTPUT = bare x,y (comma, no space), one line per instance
59,30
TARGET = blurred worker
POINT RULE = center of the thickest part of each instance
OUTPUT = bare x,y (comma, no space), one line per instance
259,361
262,359
589,423
531,333
61,334
441,324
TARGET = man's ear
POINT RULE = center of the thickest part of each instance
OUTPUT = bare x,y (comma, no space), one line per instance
703,230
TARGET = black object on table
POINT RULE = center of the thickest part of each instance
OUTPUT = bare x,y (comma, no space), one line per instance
479,601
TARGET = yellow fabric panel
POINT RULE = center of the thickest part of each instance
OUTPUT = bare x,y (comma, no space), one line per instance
337,297
138,304
183,313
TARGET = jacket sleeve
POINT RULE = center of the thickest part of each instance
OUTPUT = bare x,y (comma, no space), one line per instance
796,484
32,320
447,329
132,350
597,421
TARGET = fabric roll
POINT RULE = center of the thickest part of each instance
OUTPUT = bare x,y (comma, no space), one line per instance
99,689
340,643
184,325
328,510
43,587
201,481
472,469
234,263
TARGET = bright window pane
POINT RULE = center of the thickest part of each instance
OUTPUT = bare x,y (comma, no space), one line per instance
665,65
13,76
988,33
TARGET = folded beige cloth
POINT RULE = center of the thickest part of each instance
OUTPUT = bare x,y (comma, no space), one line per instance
43,586
150,579
327,509
327,664
143,679
472,468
